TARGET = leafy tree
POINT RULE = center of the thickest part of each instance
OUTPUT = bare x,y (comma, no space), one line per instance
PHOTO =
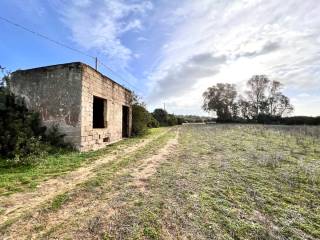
161,116
256,93
266,99
244,108
283,106
274,96
221,99
180,120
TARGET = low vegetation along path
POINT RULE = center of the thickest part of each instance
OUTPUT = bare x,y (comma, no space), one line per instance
17,204
188,182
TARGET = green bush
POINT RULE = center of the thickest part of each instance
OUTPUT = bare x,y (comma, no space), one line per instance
22,138
153,123
140,120
166,119
20,129
172,120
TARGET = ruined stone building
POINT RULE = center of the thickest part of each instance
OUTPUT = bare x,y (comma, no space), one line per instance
90,108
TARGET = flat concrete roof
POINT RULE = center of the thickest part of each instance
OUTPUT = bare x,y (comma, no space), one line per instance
71,63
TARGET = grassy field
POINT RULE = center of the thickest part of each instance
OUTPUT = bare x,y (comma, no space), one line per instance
22,178
230,182
194,182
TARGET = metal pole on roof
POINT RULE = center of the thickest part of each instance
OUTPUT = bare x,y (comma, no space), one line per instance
96,61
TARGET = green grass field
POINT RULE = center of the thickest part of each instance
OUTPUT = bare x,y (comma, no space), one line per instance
230,182
216,182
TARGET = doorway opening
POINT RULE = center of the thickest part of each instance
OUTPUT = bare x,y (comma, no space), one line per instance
125,121
98,120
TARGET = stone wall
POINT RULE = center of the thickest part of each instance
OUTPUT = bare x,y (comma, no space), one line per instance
96,84
54,92
63,95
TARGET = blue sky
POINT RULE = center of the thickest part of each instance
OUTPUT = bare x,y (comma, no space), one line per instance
172,50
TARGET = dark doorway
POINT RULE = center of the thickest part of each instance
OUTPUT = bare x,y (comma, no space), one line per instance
98,112
125,121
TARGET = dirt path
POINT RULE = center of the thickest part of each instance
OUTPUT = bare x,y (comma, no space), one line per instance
20,203
150,165
80,216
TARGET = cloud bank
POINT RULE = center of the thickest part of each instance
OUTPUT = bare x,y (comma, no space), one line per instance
280,39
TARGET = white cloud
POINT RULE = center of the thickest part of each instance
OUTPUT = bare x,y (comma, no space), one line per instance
273,37
99,25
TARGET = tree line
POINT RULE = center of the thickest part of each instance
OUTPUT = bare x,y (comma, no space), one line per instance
142,119
263,101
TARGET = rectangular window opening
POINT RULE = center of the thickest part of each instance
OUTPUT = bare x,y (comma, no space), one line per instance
99,112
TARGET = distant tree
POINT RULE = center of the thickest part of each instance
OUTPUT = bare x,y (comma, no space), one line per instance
161,116
172,120
180,120
279,104
221,99
256,93
283,106
244,108
274,96
265,99
194,119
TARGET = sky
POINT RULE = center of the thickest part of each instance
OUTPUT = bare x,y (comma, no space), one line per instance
171,51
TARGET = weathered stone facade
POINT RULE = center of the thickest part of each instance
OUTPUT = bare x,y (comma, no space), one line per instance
75,96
